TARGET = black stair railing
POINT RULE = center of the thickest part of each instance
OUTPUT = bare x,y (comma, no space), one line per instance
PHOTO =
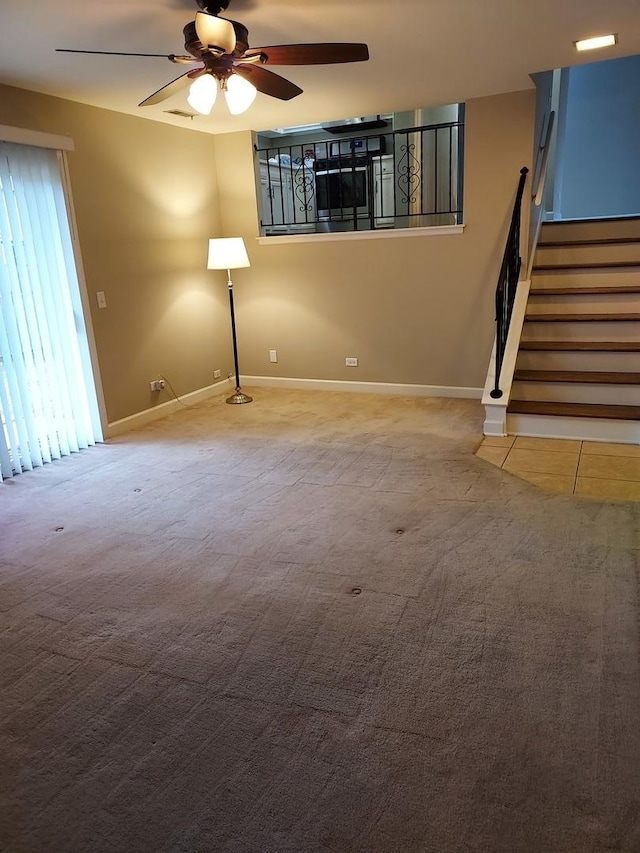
508,282
395,179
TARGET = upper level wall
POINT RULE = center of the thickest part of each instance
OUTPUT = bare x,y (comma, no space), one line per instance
413,309
598,171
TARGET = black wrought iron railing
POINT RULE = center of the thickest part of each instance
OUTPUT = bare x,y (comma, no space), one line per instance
508,283
397,179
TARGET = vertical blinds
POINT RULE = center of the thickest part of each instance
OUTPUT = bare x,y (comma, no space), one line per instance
48,404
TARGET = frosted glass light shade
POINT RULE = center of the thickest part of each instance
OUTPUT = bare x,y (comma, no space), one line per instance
239,94
227,253
202,94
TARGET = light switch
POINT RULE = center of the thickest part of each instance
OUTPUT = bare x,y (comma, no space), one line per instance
102,299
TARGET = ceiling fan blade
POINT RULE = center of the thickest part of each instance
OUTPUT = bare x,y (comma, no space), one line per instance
267,82
216,33
326,53
172,56
170,89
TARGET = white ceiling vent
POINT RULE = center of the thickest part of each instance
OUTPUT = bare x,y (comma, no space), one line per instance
181,113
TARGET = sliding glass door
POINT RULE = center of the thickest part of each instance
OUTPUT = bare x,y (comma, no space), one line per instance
48,404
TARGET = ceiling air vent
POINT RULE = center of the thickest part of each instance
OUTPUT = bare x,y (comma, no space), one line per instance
181,113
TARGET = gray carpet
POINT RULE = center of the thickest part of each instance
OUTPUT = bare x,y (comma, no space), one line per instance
314,624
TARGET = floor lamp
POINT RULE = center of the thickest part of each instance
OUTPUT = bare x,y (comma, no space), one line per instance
229,253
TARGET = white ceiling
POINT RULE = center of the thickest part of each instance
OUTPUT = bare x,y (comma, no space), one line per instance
423,52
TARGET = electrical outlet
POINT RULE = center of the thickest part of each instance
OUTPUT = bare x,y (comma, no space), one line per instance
351,362
102,299
217,374
273,356
157,384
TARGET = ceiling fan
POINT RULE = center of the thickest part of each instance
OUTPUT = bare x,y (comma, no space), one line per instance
222,46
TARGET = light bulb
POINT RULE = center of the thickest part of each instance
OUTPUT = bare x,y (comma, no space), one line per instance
239,94
202,94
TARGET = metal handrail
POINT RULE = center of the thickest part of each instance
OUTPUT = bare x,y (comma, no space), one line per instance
508,282
539,186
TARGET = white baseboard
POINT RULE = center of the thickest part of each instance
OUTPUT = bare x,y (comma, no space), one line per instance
147,416
363,387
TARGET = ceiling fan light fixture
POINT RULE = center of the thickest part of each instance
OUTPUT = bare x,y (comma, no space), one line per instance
222,46
239,94
202,94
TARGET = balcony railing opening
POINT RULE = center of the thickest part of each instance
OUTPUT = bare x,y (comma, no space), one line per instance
398,179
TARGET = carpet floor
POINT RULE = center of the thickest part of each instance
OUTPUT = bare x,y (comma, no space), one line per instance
314,624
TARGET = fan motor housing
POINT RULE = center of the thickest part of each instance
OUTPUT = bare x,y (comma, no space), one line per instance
213,7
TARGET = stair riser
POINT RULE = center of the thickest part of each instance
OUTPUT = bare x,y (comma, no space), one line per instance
587,429
603,229
584,255
586,278
570,392
623,330
603,361
616,303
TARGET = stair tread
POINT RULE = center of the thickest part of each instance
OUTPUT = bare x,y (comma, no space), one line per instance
594,265
583,220
581,291
587,346
533,317
595,241
576,410
600,377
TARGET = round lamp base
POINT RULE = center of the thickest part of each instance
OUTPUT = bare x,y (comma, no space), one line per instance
239,397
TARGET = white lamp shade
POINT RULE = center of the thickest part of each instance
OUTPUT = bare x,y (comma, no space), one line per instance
239,94
227,253
202,94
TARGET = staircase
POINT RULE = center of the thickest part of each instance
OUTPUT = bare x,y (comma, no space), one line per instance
578,365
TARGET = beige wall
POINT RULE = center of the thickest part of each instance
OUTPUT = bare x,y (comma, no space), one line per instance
146,203
148,196
413,310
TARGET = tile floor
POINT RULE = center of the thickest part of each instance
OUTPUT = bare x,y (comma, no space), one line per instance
588,469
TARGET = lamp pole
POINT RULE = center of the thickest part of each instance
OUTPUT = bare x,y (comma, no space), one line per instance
239,396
